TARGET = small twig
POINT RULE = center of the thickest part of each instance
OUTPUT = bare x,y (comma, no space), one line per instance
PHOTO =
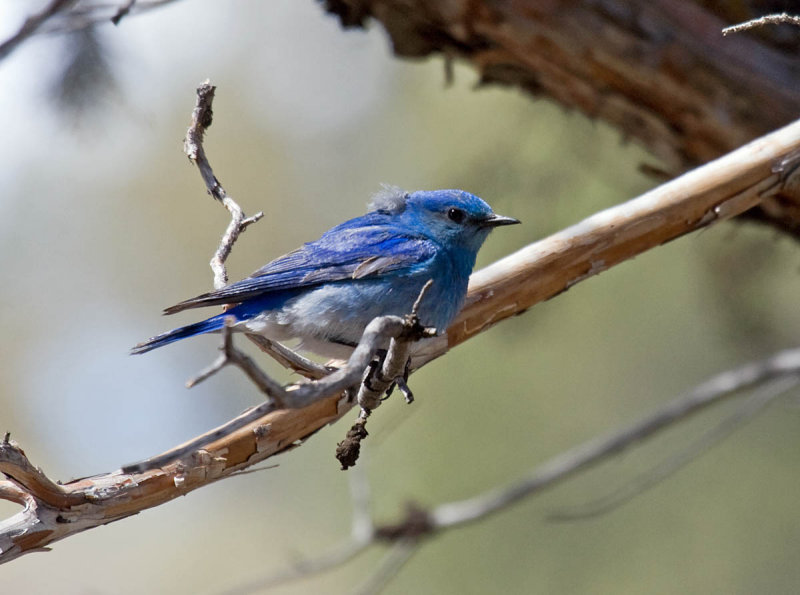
122,11
202,117
232,356
68,16
400,553
289,359
237,225
418,301
32,24
770,19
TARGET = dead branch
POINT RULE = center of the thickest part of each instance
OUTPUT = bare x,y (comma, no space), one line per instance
749,176
748,410
392,371
32,25
231,356
202,118
722,189
659,71
66,16
776,374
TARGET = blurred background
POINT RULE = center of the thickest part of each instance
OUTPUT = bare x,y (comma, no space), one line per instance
103,222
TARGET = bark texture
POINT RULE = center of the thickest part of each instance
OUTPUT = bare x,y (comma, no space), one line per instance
660,71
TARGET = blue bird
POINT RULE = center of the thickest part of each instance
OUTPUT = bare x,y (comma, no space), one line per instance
327,291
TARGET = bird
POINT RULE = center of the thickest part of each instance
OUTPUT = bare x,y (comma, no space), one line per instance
327,291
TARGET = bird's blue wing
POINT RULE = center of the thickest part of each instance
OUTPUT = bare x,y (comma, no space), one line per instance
345,252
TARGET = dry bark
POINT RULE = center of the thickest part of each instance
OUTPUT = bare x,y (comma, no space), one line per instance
660,71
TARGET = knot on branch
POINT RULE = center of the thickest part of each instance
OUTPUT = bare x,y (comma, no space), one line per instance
418,523
413,330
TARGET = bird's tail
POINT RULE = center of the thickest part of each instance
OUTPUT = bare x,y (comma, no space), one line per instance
214,323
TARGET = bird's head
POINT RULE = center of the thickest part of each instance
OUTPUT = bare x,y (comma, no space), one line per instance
452,218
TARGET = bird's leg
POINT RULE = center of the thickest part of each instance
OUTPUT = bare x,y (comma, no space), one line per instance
375,372
402,383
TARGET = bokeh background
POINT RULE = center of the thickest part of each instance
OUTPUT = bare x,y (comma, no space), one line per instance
103,222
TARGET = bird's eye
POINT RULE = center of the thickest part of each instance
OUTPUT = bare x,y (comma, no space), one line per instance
456,215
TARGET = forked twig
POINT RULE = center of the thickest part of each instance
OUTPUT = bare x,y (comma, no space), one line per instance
32,25
232,356
202,117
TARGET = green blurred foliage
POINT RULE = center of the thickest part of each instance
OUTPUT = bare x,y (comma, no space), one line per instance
104,223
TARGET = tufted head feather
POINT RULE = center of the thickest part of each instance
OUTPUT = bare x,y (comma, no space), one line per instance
389,199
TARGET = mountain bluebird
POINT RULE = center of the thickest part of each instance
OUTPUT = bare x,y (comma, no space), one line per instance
327,291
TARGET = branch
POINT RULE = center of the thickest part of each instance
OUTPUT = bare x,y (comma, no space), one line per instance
391,371
381,377
65,16
783,364
722,189
659,71
771,19
32,25
779,373
202,117
298,396
752,406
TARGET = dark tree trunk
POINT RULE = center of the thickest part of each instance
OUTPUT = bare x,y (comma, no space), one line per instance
660,71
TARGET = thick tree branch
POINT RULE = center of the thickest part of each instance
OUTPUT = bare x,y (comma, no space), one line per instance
659,71
717,191
752,175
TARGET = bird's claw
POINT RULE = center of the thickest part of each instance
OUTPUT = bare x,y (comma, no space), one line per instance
401,382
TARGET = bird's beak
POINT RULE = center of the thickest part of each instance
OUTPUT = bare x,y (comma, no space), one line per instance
498,220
